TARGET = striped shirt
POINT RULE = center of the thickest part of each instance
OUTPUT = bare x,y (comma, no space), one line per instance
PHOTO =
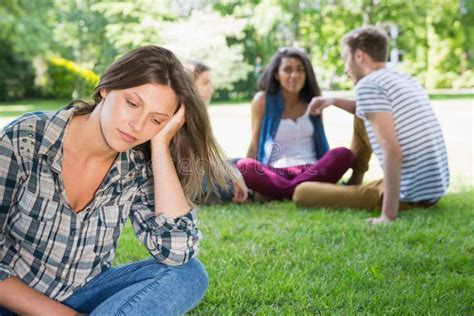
425,173
50,247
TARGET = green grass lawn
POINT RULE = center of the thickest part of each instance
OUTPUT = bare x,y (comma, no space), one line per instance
17,108
274,258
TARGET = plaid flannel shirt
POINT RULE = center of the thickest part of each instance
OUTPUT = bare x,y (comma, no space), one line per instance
50,247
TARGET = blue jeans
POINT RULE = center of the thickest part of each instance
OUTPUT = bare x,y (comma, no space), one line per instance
141,288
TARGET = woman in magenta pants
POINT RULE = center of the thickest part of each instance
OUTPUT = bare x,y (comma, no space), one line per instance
288,144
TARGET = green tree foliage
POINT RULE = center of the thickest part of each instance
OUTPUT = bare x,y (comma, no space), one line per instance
17,74
25,24
79,34
191,34
436,37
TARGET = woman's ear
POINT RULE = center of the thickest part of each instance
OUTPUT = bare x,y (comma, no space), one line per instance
103,93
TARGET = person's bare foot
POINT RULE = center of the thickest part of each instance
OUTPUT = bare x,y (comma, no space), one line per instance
356,178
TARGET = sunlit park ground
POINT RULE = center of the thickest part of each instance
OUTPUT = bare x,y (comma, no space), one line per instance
268,259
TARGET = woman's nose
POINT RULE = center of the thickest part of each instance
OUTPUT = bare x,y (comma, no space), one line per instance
137,124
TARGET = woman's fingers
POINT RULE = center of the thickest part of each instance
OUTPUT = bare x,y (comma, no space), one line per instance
171,127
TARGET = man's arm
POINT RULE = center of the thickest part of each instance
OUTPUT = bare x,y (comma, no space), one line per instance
19,298
385,132
317,104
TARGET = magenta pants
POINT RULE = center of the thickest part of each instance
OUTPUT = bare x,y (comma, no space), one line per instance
280,183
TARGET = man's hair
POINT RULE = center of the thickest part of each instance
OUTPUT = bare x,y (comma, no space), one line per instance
369,39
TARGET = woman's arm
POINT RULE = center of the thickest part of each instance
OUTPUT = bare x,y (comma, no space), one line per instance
9,181
15,295
258,110
169,194
19,298
171,241
160,213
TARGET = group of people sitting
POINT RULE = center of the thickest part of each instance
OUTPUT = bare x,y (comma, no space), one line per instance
69,180
289,156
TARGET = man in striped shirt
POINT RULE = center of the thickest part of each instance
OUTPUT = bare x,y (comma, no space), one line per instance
394,119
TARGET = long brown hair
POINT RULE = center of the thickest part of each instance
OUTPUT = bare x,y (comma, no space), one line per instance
194,149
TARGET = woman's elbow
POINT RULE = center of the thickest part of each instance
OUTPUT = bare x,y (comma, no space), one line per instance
176,257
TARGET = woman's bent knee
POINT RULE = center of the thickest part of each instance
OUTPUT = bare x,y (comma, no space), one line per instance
344,154
245,164
185,285
195,274
193,280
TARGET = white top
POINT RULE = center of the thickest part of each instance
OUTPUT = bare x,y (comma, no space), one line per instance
425,173
294,143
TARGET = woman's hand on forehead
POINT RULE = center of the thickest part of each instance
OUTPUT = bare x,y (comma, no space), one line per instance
171,127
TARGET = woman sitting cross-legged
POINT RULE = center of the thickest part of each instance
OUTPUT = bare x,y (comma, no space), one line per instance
69,180
288,145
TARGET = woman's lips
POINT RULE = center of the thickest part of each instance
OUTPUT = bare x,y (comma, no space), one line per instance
127,137
293,83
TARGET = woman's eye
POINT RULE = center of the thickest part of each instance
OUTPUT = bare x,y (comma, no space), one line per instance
131,104
156,121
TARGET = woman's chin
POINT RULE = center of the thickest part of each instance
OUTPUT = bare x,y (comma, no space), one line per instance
121,146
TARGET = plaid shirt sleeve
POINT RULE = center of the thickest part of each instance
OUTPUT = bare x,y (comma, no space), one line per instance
9,179
171,241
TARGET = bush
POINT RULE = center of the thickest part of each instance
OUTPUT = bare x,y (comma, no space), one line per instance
17,75
465,80
66,79
243,89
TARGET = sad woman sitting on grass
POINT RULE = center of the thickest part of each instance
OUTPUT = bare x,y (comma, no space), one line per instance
70,179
